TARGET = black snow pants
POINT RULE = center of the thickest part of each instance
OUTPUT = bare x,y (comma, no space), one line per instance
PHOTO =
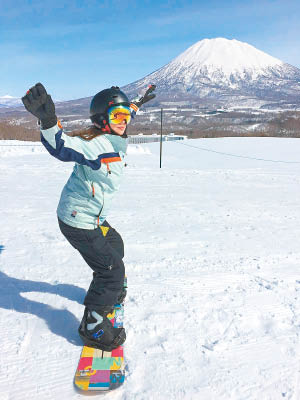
103,250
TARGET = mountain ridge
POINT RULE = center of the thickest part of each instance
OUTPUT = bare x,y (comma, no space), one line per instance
8,101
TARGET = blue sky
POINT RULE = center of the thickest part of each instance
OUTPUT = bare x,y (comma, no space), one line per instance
76,48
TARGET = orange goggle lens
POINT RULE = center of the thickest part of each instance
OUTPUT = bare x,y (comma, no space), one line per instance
119,114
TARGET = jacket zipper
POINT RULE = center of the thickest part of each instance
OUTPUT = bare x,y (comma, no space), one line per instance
108,169
93,195
98,219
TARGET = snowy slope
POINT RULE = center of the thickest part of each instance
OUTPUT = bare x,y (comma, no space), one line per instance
212,257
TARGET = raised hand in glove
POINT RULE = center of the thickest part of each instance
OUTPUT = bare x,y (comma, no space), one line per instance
146,97
39,103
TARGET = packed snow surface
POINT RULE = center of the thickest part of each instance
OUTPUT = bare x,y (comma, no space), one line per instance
212,258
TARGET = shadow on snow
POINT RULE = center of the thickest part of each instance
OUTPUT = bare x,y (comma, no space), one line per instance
1,248
60,322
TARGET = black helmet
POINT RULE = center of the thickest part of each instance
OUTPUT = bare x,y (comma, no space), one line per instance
103,100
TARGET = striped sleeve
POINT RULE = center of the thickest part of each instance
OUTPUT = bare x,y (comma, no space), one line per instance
134,110
66,148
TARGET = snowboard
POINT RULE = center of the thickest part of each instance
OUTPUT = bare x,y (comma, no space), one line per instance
100,370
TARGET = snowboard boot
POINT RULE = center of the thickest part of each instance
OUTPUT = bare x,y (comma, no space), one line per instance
97,331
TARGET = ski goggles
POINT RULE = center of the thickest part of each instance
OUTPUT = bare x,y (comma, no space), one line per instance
119,114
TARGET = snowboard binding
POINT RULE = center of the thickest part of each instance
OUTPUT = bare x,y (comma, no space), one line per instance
97,331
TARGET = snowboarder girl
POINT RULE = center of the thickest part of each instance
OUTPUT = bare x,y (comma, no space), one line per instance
98,153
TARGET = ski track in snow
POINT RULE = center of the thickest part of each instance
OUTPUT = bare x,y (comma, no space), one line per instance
212,258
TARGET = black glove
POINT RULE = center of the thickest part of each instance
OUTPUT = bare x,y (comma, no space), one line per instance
40,104
147,96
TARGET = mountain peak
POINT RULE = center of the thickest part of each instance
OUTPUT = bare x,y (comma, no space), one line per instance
223,72
226,55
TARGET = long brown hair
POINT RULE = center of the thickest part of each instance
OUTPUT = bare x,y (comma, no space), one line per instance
87,133
91,132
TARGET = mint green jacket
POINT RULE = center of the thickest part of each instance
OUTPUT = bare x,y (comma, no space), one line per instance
99,163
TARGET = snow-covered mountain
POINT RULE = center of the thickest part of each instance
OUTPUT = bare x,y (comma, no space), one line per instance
224,71
9,101
211,74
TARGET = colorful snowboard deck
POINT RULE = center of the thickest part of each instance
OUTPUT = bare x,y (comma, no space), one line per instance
100,370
